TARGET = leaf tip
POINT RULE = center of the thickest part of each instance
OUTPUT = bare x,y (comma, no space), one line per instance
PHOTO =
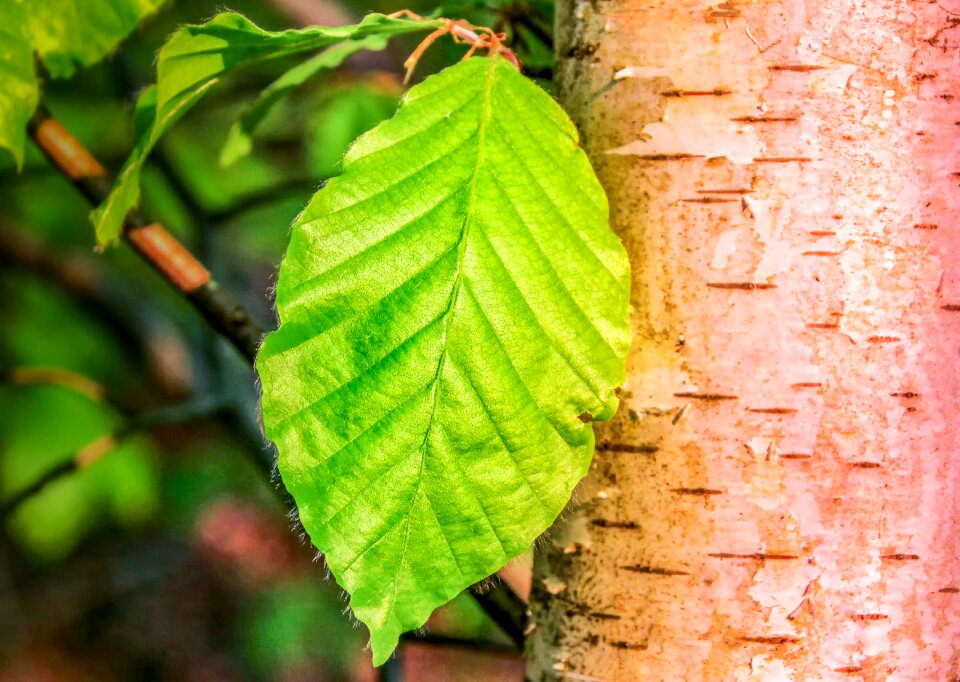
17,152
382,646
106,228
236,146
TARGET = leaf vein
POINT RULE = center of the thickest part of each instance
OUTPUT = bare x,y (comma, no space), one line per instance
557,209
481,130
309,285
367,370
513,367
558,347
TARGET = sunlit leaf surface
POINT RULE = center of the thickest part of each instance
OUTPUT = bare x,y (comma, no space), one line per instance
454,310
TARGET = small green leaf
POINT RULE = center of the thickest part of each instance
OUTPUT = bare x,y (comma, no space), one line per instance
451,305
345,116
67,34
20,92
239,140
71,34
194,60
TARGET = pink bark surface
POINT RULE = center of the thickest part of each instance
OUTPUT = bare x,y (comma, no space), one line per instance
778,496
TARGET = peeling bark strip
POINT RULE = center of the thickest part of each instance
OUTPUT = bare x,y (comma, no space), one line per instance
757,556
710,397
747,286
177,264
651,570
765,119
698,492
773,639
64,149
629,448
795,67
710,200
808,340
716,92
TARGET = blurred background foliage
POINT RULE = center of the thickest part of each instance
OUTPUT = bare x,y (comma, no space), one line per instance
171,558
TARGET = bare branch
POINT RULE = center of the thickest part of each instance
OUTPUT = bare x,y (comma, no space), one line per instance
98,448
152,241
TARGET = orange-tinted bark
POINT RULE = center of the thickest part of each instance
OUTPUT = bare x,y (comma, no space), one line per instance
777,498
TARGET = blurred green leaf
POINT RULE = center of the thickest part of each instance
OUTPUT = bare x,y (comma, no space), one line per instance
341,120
45,329
296,625
207,470
20,91
453,307
193,149
70,34
193,61
67,34
239,140
42,426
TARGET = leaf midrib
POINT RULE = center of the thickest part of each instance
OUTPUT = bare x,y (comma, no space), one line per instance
451,304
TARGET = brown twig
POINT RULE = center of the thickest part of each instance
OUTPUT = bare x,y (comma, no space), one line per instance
97,449
55,376
152,241
477,37
142,336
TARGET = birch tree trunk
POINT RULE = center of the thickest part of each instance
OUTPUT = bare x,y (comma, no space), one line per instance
778,496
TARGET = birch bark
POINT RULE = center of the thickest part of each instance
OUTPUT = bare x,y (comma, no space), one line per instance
778,496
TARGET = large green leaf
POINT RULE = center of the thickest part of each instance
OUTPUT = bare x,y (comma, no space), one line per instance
67,34
194,60
239,141
452,306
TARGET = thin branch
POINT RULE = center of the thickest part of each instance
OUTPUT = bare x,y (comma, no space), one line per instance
505,607
97,449
282,191
541,72
153,242
481,645
146,338
296,188
392,669
68,466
